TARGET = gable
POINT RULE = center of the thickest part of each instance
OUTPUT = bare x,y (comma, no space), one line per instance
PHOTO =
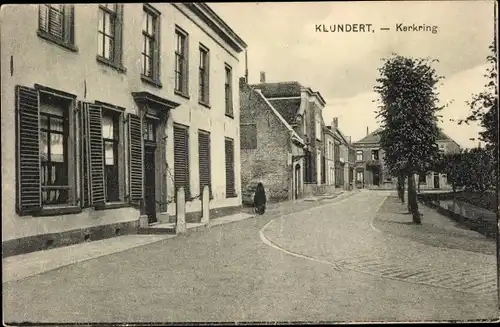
288,108
281,89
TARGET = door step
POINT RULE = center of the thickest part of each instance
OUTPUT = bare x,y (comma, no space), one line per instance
157,228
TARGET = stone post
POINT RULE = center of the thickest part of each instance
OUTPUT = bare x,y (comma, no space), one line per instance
205,200
180,212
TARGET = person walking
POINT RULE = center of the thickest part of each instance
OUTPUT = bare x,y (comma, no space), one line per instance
259,199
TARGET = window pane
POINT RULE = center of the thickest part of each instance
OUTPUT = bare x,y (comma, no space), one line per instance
100,44
109,154
101,21
179,43
145,21
147,46
44,146
150,24
56,148
108,47
147,63
56,124
107,24
107,127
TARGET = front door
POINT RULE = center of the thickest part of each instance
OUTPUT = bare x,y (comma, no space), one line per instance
297,181
376,177
436,180
149,183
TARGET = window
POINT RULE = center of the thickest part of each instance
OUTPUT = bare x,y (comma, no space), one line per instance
181,159
54,153
204,160
109,34
181,62
375,154
204,76
230,176
56,24
150,58
45,174
318,129
422,178
359,176
110,140
248,136
359,155
228,91
336,152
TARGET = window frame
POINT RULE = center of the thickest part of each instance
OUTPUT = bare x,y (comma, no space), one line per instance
67,39
182,88
209,151
155,15
230,192
228,91
359,153
204,76
117,118
117,29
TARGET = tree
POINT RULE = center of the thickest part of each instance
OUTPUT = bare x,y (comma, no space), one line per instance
455,166
408,98
484,109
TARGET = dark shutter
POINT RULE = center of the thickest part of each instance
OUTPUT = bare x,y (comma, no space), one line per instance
43,17
96,154
84,155
118,34
135,158
229,149
204,160
56,23
69,24
181,159
28,198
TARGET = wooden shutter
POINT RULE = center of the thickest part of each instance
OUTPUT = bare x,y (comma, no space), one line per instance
56,22
118,46
28,198
135,158
181,159
229,149
84,155
69,24
204,160
94,113
43,17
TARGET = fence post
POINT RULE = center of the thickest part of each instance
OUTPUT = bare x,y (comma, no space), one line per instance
180,212
205,201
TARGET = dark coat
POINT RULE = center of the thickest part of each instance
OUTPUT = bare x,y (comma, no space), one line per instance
259,198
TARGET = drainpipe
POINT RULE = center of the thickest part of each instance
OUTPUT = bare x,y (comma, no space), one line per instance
246,66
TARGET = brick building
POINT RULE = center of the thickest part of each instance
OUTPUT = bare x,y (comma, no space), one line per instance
114,107
301,109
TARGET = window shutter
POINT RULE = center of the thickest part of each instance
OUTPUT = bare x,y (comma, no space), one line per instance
84,155
96,154
229,149
118,33
204,160
56,22
181,159
43,17
28,151
69,23
135,158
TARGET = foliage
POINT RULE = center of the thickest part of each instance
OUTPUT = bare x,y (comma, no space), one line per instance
408,111
408,107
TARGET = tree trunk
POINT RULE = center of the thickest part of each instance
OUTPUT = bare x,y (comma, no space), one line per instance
412,199
401,187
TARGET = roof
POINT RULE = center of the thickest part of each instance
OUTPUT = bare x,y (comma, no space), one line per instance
280,89
443,137
288,108
373,137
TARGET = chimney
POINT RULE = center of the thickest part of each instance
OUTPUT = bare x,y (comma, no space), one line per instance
243,81
336,122
262,77
348,139
367,131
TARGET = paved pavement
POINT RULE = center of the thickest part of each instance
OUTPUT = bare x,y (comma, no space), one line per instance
318,264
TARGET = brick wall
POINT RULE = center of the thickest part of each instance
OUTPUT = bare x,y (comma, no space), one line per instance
268,163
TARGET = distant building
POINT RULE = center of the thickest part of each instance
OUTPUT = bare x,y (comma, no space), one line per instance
339,167
370,171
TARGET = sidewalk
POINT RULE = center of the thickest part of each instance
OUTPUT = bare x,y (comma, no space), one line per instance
34,263
436,229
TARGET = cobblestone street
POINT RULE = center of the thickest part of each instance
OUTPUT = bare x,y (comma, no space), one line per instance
329,260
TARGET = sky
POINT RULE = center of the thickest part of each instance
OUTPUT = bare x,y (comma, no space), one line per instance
283,42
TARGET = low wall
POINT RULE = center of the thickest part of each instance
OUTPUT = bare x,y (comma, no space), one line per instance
314,189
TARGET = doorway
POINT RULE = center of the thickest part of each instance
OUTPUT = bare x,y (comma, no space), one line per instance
297,181
150,183
436,180
376,177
